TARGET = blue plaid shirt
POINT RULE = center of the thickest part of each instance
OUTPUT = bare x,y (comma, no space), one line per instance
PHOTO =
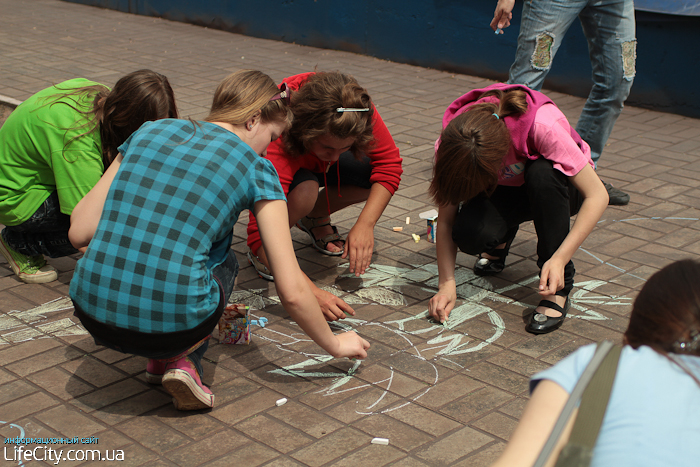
167,222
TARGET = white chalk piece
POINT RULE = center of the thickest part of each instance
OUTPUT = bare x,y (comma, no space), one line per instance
281,402
429,215
383,441
408,220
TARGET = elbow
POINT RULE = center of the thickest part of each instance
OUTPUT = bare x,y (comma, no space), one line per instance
603,193
77,238
293,294
603,198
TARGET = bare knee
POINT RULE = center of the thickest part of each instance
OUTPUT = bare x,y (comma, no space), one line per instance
301,200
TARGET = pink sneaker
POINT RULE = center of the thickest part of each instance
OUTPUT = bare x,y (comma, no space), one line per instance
183,383
155,370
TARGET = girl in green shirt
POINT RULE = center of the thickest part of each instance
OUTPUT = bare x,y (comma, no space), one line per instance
54,147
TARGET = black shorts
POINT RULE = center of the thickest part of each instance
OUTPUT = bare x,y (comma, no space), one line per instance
353,172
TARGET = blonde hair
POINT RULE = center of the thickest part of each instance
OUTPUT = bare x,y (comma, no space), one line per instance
244,93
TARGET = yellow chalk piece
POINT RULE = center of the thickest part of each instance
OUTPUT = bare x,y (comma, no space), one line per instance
416,238
408,220
398,229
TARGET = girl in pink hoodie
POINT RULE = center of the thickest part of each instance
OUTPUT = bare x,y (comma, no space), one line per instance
507,155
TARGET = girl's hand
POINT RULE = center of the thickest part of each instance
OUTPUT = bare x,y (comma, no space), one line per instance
351,346
443,302
359,246
332,307
552,276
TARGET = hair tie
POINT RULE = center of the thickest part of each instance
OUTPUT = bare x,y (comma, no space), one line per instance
496,115
348,109
689,345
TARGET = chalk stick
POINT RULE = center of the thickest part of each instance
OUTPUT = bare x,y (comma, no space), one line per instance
383,441
408,220
499,31
281,402
398,229
416,238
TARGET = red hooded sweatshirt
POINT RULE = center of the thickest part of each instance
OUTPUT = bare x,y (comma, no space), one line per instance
383,154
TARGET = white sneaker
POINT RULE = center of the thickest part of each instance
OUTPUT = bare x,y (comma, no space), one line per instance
29,269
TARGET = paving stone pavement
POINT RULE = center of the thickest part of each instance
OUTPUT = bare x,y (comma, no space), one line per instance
441,395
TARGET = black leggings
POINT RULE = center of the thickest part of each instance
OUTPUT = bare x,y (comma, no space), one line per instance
547,198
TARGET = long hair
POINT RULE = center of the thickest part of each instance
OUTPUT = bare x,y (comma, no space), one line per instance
136,98
472,147
666,313
315,107
667,309
243,93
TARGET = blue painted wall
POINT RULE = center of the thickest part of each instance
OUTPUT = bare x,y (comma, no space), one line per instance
450,35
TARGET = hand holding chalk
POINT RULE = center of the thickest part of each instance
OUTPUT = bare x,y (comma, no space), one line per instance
351,346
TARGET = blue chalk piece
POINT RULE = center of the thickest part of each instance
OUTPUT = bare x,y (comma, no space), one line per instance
499,31
259,322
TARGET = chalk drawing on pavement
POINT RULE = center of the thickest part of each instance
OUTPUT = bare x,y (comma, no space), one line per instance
426,341
35,323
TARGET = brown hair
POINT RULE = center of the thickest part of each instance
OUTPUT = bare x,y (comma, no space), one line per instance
244,93
315,111
472,147
136,98
667,309
666,313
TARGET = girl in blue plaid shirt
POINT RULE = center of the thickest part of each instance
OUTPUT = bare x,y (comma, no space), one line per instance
157,270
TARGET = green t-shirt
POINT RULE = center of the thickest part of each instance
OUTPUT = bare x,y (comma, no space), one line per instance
39,155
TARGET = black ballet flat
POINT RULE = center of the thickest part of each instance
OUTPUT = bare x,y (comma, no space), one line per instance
490,267
542,324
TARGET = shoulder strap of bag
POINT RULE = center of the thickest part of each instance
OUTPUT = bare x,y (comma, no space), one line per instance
600,353
594,401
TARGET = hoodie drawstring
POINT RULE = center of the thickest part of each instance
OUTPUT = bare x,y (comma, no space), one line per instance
338,173
325,185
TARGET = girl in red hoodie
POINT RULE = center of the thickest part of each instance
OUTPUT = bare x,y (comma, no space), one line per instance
339,143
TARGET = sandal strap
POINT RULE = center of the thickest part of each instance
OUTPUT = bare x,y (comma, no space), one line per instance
330,238
313,222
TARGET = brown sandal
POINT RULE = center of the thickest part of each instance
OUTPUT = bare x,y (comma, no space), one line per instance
308,223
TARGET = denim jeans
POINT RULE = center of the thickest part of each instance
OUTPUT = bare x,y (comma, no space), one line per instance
45,233
609,27
547,198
